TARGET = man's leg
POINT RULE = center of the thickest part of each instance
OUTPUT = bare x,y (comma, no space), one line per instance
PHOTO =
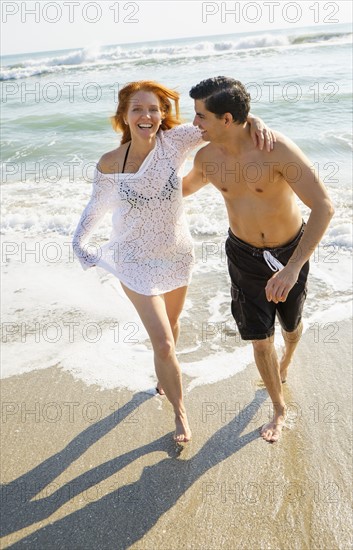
267,362
291,340
289,315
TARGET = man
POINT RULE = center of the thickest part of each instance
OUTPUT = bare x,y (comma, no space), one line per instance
269,246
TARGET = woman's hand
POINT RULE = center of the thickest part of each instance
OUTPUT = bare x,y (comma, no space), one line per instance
261,134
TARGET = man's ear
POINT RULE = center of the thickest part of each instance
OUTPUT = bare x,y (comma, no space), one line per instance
228,119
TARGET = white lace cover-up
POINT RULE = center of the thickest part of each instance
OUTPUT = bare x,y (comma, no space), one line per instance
150,249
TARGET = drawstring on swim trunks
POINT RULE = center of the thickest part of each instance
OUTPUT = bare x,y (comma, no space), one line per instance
272,262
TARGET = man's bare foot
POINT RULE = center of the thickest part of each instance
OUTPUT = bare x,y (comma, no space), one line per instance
271,431
159,389
182,430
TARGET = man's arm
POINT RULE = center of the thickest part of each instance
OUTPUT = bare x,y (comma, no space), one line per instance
195,179
311,191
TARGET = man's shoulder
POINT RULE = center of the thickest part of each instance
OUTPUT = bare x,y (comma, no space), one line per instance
283,141
280,137
285,152
284,144
208,151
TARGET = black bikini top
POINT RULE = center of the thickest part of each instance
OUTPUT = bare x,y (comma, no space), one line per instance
125,159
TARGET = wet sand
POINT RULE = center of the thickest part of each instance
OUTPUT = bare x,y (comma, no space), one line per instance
85,468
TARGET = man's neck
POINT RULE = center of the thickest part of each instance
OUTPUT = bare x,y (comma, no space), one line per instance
236,141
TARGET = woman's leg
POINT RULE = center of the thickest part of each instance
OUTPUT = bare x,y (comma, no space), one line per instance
174,303
153,313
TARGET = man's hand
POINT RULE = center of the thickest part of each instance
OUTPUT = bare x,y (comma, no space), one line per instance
261,134
280,284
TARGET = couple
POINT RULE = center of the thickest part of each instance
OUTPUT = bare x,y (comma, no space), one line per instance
151,252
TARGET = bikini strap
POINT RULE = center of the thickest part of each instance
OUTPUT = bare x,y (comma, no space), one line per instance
125,159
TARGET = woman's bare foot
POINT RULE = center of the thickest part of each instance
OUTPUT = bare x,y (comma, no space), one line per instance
159,389
182,430
271,431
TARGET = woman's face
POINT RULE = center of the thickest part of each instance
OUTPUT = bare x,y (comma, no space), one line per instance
144,115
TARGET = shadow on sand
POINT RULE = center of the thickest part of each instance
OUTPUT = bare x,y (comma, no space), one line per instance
125,515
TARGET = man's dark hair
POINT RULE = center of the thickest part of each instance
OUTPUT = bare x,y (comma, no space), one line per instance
223,95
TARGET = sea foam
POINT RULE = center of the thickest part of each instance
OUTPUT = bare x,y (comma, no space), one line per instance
114,55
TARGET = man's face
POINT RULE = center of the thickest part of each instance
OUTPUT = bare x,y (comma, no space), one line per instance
211,127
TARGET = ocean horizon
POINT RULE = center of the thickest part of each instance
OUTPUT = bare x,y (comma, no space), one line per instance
224,36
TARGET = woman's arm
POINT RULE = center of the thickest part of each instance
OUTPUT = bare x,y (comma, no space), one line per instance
91,216
260,133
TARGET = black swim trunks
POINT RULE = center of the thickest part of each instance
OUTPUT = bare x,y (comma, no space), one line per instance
249,273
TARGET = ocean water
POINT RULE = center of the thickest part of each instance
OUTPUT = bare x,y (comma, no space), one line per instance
55,126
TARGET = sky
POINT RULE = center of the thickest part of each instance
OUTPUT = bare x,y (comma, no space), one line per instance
31,26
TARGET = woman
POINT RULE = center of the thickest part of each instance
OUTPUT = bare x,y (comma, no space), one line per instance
150,250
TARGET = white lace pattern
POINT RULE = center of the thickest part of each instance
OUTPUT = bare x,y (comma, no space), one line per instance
150,249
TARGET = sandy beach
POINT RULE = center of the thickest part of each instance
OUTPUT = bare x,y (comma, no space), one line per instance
85,468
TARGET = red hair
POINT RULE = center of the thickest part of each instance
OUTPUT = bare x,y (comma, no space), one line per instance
165,96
